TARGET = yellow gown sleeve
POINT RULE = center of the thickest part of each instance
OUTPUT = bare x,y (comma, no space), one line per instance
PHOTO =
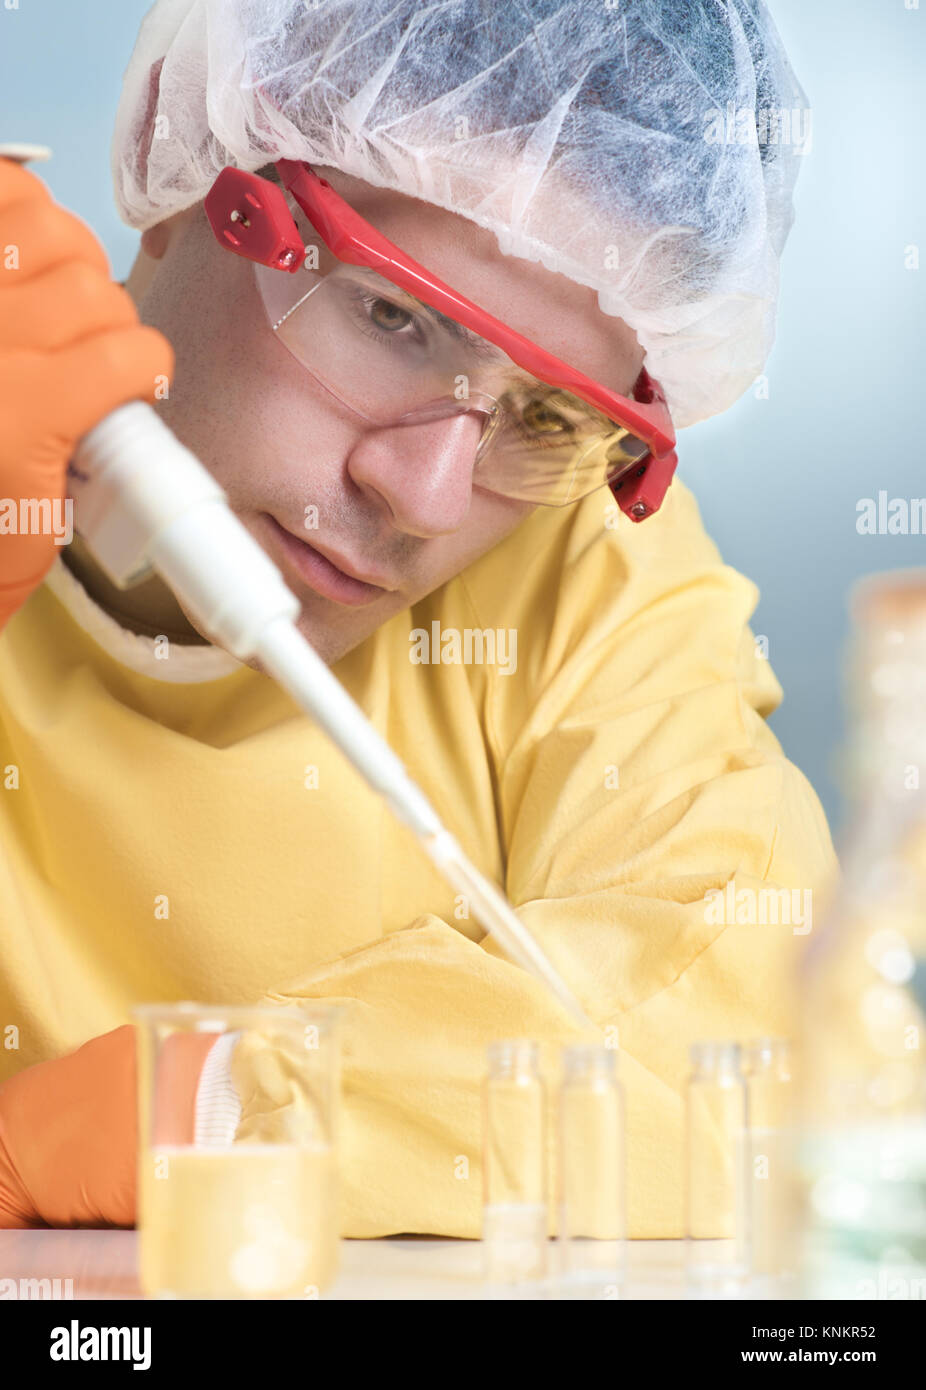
636,777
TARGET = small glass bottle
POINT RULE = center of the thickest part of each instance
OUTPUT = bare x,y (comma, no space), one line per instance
515,1204
592,1218
769,1105
715,1167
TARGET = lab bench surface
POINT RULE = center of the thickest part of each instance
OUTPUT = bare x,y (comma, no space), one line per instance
103,1265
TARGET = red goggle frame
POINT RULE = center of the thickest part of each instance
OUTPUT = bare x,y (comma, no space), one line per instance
250,216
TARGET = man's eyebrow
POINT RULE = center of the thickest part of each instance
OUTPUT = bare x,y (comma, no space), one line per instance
489,352
480,346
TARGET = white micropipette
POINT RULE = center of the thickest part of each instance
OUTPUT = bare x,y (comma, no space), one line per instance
145,503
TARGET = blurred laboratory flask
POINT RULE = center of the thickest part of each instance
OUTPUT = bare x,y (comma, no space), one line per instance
861,1156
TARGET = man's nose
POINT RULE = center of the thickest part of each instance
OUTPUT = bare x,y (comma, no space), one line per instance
422,473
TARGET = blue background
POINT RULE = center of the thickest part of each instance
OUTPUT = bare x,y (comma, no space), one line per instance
778,479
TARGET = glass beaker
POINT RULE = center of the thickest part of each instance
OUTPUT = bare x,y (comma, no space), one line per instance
238,1127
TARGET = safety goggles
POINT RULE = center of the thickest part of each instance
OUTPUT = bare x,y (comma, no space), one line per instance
397,346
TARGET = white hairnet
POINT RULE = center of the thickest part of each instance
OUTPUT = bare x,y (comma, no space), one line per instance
646,148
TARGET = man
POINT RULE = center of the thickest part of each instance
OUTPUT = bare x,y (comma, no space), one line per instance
172,828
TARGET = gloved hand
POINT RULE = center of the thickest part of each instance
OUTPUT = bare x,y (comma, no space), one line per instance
69,1135
71,351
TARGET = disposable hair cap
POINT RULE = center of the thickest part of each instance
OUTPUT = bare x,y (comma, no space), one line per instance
647,148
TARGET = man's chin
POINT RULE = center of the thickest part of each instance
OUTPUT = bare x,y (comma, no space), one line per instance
331,647
330,644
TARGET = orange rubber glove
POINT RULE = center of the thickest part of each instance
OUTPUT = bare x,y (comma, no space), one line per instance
71,351
69,1132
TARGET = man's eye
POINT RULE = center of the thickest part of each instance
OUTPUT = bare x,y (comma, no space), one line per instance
388,316
626,449
542,419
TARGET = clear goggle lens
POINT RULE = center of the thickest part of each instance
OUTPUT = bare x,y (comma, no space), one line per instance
394,360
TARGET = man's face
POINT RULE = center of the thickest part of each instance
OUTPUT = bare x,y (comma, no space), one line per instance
394,512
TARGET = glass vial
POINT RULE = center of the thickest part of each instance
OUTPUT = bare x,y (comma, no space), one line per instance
769,1105
515,1211
715,1167
592,1214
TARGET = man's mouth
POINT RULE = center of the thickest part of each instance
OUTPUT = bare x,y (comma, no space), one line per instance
325,571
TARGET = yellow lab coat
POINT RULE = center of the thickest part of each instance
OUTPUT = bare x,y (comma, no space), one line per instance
171,827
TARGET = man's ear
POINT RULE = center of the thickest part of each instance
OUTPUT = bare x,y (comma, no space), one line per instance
155,240
154,243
